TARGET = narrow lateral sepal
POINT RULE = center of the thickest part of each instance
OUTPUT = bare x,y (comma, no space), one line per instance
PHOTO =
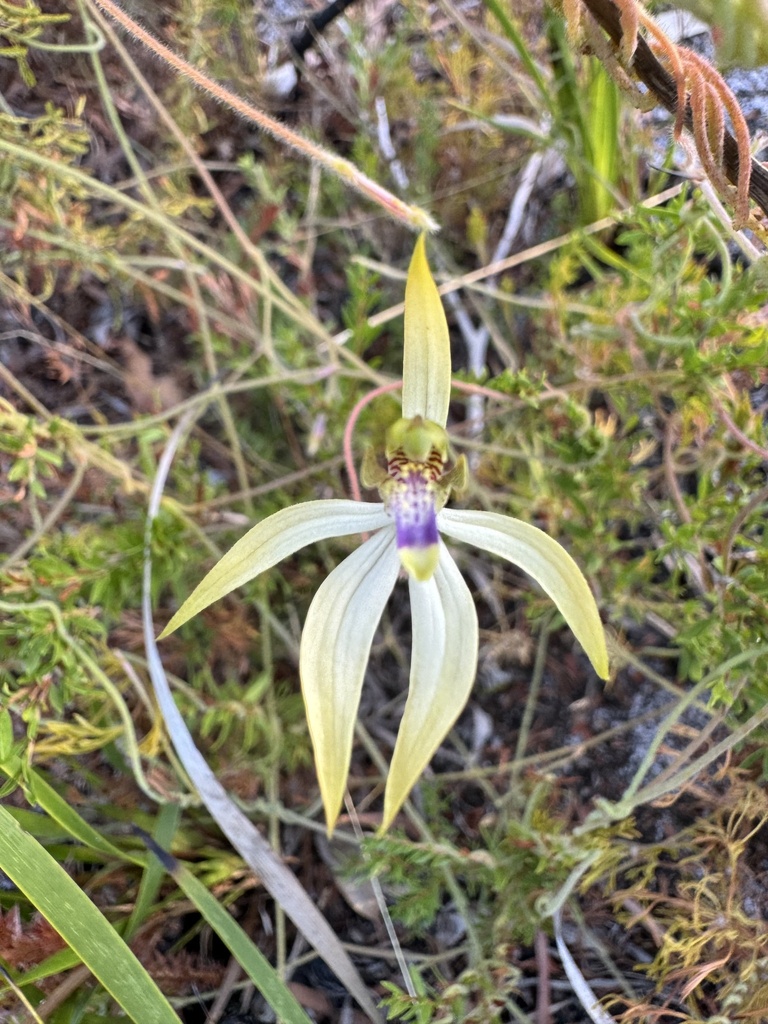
274,539
536,553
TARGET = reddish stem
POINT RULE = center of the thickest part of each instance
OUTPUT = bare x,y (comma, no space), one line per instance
349,457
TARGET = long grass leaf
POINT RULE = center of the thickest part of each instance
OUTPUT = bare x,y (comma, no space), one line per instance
82,926
168,818
248,955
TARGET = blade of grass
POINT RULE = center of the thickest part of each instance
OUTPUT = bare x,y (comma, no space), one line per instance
82,926
247,954
41,794
515,37
55,964
168,818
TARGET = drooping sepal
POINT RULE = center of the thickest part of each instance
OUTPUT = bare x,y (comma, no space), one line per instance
443,666
335,646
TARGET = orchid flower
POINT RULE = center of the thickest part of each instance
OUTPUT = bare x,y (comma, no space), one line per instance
406,525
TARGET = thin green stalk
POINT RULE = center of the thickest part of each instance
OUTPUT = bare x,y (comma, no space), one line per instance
515,37
137,426
606,812
199,306
458,895
414,217
202,168
533,691
21,996
166,826
661,734
111,265
24,393
655,790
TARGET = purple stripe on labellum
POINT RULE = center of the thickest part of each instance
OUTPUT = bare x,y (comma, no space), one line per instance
412,505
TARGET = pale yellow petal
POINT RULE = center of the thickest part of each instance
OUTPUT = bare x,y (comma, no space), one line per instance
335,645
276,538
427,347
544,559
443,666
